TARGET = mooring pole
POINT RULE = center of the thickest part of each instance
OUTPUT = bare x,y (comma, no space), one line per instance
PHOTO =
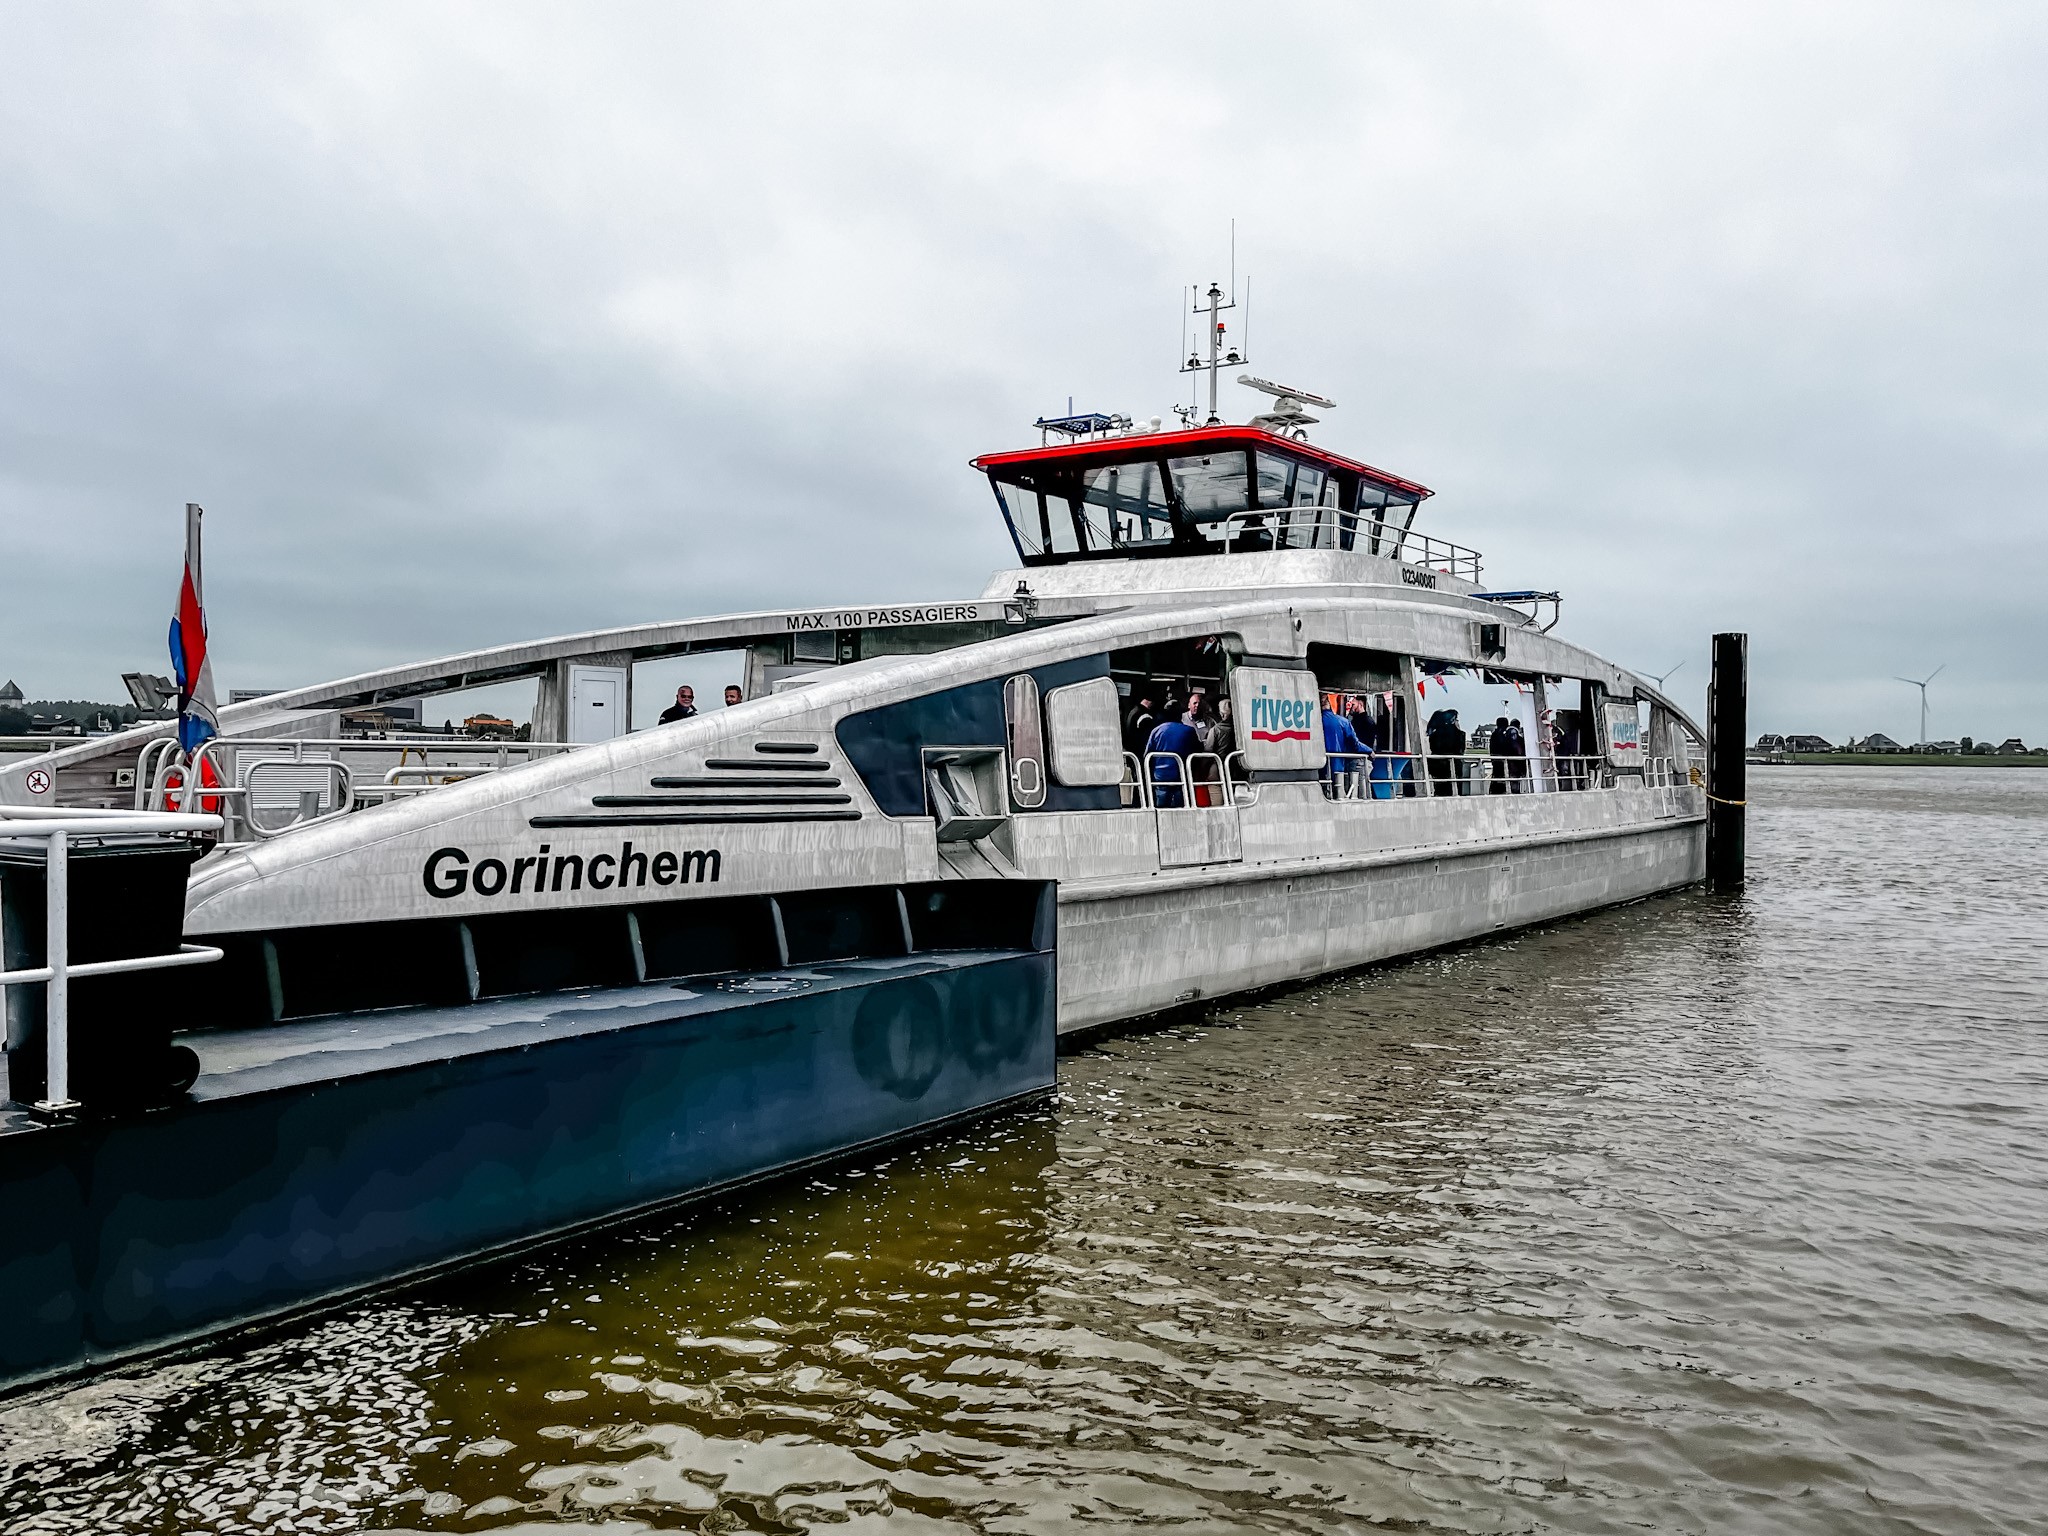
1727,771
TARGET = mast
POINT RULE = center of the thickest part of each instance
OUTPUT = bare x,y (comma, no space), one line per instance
1212,304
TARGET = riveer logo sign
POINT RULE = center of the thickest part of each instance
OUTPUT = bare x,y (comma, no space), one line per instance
449,872
1281,719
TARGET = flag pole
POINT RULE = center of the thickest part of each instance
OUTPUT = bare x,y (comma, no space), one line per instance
193,512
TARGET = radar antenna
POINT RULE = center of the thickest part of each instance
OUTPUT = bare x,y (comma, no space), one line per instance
1286,418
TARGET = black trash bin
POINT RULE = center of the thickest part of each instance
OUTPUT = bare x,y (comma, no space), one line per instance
126,900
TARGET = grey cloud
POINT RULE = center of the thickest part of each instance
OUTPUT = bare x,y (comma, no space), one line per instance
469,323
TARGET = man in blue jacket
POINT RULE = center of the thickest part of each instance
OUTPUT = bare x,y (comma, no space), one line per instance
1175,736
1349,759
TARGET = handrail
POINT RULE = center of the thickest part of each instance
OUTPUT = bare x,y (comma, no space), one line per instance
1349,776
1233,779
55,827
1175,782
159,763
152,764
343,785
1325,527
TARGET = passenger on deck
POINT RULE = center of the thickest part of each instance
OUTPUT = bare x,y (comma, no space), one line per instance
1205,768
1138,722
733,694
1350,762
1446,753
684,706
1518,758
1510,756
1222,735
1362,726
1171,738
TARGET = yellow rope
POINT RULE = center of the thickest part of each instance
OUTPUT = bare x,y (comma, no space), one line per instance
1699,781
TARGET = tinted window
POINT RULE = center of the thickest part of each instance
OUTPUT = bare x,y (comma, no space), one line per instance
1213,486
1133,502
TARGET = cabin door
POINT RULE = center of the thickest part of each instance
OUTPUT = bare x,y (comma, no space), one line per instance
597,704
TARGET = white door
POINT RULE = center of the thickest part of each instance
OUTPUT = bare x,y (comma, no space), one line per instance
597,703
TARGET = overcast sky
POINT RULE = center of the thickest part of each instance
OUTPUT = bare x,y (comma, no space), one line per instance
474,323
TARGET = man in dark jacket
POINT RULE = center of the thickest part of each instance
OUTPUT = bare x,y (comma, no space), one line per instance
684,706
1497,750
1446,753
1510,754
1518,759
1138,722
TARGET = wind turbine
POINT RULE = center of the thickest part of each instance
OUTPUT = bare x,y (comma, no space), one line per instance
1659,681
1921,684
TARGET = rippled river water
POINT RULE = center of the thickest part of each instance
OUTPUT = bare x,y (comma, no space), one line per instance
1702,1214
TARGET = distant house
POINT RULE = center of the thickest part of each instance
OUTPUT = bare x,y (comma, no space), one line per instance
10,696
1876,741
1808,744
380,719
2012,746
1769,744
1942,748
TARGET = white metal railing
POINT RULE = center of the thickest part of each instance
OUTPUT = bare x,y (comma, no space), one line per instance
239,765
55,826
1333,528
1202,780
1387,775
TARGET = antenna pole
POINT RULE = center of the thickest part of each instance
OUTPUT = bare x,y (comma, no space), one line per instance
1215,335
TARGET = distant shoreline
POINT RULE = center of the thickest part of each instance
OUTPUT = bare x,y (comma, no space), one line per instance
1902,760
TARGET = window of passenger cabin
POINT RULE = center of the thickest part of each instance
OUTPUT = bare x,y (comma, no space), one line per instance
1087,741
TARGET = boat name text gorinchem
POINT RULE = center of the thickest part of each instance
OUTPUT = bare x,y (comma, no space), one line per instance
448,871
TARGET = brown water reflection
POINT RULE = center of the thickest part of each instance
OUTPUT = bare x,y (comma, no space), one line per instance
1695,1215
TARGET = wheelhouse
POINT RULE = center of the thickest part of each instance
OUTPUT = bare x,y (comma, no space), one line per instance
1210,490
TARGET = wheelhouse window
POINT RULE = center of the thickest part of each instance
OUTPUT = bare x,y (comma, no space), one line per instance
1213,486
1242,491
1133,503
1291,483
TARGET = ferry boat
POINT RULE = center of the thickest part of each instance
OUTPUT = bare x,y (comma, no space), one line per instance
477,993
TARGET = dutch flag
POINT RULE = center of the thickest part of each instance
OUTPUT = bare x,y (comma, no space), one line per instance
197,719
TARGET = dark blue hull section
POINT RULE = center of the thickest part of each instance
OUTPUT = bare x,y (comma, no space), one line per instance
317,1160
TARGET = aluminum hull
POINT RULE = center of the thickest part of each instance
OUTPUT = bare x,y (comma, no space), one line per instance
319,1161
